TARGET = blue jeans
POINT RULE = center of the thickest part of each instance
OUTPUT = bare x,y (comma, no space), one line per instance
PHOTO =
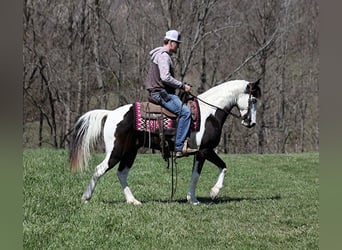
176,106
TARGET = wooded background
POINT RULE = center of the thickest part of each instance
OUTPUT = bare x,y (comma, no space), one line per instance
80,55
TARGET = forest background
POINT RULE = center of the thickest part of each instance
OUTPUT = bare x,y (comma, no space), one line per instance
89,54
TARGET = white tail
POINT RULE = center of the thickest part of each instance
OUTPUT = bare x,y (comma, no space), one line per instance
87,131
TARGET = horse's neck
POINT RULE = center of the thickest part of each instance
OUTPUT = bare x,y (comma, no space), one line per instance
221,116
224,98
221,99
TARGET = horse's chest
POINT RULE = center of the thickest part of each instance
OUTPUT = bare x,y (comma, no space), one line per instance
210,131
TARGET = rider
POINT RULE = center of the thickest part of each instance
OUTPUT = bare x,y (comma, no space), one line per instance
162,85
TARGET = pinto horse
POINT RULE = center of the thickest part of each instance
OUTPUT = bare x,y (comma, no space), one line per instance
122,141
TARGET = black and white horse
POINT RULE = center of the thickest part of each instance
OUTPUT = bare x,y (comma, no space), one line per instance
122,141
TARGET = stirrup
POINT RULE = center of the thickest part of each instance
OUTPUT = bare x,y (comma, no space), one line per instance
186,150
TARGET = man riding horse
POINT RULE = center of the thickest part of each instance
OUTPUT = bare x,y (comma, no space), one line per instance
162,85
122,137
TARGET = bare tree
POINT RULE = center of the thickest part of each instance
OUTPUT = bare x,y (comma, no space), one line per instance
87,54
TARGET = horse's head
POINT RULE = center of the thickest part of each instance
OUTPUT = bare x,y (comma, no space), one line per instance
247,103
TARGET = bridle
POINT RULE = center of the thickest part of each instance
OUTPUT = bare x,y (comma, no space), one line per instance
247,116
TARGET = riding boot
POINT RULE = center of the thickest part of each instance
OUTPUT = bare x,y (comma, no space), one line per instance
186,150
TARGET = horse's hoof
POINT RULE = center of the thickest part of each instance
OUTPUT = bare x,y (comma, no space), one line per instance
134,202
85,201
214,192
191,200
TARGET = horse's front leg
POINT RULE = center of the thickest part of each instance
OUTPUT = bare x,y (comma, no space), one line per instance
219,184
215,159
196,172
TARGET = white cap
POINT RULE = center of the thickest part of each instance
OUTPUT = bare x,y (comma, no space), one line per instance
173,35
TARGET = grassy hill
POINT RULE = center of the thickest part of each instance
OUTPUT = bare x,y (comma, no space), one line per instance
267,202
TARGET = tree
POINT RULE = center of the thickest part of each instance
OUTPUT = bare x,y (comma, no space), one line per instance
82,55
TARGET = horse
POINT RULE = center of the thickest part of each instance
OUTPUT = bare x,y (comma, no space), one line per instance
122,141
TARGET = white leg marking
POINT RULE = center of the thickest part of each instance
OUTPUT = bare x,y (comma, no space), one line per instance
122,175
99,171
219,184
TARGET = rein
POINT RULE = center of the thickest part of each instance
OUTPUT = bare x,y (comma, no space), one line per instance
212,105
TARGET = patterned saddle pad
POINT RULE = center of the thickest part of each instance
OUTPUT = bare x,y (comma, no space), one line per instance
149,117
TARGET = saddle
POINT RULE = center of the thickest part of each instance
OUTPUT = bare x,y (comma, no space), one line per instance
153,118
148,117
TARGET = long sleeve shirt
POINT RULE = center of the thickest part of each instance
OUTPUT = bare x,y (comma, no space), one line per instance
161,73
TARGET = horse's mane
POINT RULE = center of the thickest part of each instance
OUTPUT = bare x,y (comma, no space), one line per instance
224,92
232,86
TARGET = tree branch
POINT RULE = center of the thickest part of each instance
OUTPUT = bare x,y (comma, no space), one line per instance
264,47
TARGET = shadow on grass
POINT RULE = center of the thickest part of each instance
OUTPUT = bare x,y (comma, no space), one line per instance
206,200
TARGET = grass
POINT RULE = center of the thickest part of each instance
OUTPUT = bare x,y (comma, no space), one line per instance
267,202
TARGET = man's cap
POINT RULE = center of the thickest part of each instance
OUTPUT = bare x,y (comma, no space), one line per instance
173,35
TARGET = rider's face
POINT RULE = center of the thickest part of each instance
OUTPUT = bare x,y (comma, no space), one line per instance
173,46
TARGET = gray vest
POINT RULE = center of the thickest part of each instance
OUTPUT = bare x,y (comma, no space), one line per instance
154,83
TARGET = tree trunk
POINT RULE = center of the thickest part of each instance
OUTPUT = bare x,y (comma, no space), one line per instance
68,103
52,123
203,81
96,40
82,84
41,116
262,107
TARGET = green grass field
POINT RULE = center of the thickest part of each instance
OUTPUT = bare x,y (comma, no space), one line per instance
267,202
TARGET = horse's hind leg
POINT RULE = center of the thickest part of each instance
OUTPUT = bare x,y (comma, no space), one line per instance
123,170
215,159
100,170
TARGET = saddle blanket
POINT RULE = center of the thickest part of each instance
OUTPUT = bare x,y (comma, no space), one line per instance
148,121
149,116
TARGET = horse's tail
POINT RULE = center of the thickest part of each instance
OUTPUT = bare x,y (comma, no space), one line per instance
87,131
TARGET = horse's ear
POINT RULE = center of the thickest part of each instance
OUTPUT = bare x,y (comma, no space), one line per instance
253,85
256,83
254,88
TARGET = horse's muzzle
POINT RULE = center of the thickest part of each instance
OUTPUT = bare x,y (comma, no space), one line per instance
247,123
